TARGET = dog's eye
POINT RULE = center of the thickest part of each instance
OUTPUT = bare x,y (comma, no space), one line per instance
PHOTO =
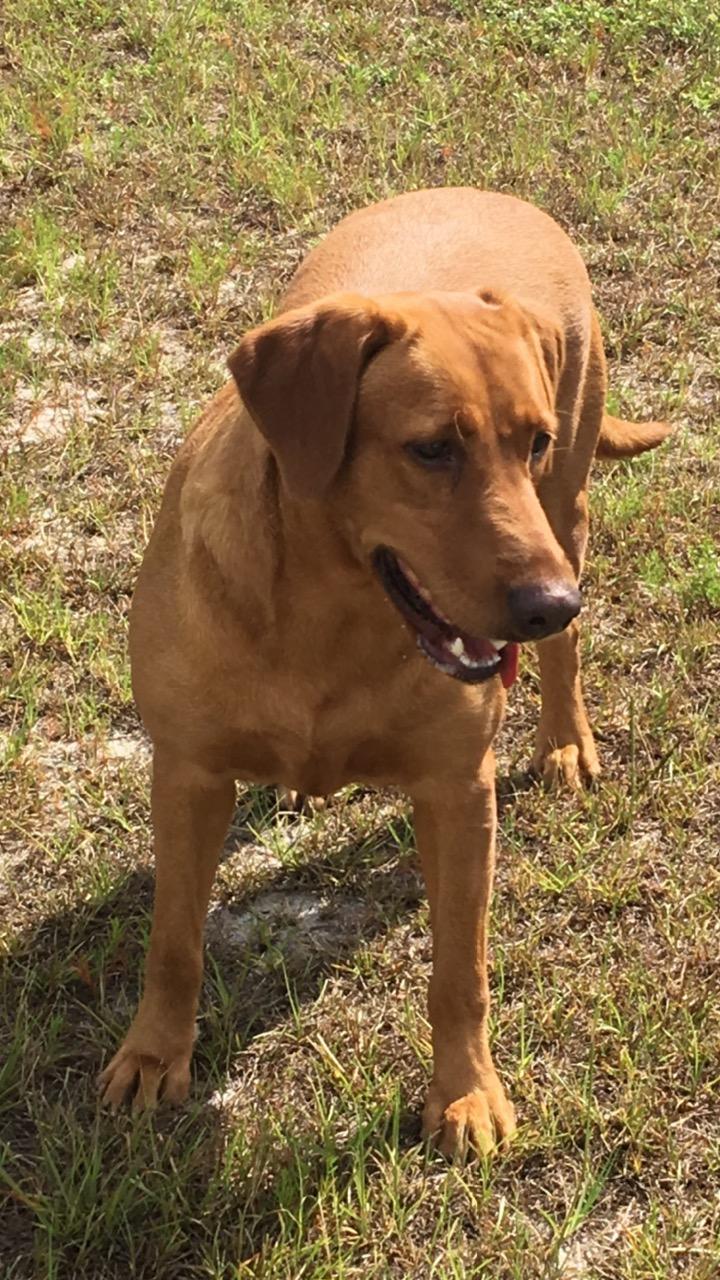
431,453
540,445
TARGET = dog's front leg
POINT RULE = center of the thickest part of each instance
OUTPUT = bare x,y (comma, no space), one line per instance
190,812
455,833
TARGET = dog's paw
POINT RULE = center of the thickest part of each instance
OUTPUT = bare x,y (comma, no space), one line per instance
572,765
297,802
148,1078
480,1122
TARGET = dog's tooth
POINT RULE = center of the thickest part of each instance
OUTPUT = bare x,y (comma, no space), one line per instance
458,648
498,644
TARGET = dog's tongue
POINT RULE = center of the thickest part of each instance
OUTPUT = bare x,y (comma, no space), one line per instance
509,663
484,651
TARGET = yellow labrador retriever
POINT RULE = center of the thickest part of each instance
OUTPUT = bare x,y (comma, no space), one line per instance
387,499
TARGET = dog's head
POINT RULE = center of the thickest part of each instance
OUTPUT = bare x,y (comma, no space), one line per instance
424,423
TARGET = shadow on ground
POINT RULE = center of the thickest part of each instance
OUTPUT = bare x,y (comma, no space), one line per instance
68,991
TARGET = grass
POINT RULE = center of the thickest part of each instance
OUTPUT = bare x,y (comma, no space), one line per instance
164,168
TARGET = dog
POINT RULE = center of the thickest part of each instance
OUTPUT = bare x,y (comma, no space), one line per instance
385,501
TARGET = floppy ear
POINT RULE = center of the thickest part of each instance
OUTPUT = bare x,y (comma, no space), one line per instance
550,340
545,335
298,377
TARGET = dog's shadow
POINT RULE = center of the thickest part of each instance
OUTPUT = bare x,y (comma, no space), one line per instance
70,988
287,926
284,932
71,984
82,967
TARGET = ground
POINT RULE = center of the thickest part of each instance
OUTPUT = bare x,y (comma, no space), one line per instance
164,167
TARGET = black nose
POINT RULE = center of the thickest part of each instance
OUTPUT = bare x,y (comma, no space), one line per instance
540,609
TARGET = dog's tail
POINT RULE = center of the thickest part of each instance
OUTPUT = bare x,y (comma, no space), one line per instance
619,439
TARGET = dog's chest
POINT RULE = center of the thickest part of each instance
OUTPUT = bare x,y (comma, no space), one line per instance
287,732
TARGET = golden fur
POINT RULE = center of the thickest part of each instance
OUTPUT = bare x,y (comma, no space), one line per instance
264,645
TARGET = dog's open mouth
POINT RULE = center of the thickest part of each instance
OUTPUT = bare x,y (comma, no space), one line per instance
452,650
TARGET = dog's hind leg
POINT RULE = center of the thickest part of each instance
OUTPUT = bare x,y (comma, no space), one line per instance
565,749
